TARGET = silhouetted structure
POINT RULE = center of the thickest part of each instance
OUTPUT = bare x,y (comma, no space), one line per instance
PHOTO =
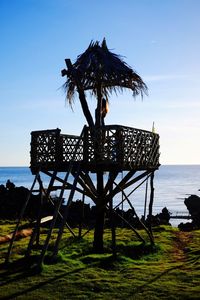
105,150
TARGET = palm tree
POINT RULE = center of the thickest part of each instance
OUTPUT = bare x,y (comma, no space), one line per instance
101,72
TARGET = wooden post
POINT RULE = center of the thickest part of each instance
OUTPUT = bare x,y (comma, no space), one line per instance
39,217
151,202
81,216
145,201
100,216
122,222
113,229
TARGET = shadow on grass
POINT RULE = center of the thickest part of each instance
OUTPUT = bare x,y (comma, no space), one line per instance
142,287
137,250
94,261
22,269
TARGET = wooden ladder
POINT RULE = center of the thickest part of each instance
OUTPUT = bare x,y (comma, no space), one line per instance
57,207
60,199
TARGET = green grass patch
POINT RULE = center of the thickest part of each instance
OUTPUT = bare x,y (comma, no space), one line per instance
168,270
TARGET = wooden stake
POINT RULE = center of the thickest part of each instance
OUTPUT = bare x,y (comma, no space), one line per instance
151,202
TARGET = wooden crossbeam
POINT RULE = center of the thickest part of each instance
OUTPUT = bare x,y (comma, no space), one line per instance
68,185
138,219
112,176
120,186
87,179
88,188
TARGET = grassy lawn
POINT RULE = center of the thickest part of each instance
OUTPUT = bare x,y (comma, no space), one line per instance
171,270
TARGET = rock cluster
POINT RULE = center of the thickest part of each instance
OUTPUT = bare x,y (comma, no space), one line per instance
193,205
12,199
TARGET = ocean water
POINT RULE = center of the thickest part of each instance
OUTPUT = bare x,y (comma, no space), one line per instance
173,183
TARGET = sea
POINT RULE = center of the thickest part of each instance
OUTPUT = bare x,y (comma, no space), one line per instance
172,184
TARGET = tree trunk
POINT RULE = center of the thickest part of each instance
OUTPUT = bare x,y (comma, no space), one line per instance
85,108
100,216
99,230
81,93
98,111
100,206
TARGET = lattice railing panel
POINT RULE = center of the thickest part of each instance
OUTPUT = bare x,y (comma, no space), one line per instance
107,147
140,148
120,146
124,145
44,146
72,148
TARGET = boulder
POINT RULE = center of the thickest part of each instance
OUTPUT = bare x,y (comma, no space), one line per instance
193,205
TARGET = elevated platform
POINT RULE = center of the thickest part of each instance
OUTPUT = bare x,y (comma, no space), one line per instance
111,147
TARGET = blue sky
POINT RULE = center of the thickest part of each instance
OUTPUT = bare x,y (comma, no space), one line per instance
159,39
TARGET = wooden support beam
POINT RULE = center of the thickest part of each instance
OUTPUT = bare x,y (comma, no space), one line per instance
112,224
68,186
151,201
132,191
81,217
86,189
100,215
109,184
145,198
87,179
134,230
138,219
120,186
134,180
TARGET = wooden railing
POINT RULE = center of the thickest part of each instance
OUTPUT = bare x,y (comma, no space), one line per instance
108,147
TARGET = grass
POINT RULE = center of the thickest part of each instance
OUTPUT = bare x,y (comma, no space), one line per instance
170,270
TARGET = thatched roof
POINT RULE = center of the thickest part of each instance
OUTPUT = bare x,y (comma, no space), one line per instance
98,68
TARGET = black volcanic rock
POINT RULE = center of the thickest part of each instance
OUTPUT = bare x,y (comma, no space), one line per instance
193,205
12,200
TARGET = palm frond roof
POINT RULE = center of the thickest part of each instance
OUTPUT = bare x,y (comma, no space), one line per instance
98,66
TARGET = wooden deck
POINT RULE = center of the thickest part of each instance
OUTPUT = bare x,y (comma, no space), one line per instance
111,147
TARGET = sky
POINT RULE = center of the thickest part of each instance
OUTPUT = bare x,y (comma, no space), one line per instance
158,39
